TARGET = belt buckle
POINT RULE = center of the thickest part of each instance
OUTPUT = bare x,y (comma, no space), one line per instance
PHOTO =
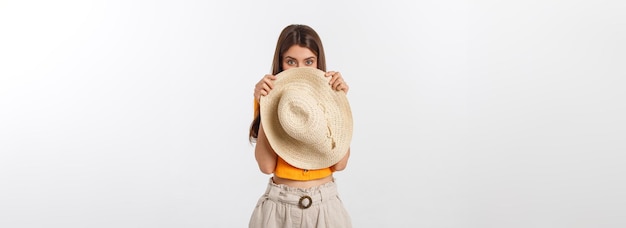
303,206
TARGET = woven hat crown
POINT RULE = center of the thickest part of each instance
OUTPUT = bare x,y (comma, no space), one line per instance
302,117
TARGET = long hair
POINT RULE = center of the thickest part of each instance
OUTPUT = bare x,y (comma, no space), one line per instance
295,34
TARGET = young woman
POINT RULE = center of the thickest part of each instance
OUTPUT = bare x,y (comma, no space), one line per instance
296,197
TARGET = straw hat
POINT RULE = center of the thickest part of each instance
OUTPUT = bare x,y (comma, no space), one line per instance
307,123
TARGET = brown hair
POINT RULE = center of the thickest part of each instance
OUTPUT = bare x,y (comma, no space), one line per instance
295,34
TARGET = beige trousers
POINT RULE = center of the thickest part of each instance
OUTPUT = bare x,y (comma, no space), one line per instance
282,206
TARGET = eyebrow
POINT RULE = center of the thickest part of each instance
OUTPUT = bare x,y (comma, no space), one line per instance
289,57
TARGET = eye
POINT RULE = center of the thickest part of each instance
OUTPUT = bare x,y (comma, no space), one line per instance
308,62
291,62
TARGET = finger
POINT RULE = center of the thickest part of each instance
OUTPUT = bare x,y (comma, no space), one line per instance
332,77
335,77
269,77
257,91
266,88
341,85
336,85
268,83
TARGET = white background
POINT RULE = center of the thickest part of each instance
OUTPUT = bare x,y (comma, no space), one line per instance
467,113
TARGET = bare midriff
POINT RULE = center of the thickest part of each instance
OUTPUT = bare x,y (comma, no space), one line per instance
302,183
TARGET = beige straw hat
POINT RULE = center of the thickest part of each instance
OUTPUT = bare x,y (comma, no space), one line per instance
307,123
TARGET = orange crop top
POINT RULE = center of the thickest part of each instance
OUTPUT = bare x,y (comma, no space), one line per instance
287,171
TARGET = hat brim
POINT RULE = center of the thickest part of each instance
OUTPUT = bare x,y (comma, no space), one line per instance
338,117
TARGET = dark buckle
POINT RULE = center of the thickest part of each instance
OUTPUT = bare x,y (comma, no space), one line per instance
302,206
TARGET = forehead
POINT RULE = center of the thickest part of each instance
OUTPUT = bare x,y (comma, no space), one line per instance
298,52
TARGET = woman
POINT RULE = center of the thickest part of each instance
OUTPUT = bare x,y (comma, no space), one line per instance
297,46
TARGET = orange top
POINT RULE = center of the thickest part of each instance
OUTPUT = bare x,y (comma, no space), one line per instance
257,108
287,171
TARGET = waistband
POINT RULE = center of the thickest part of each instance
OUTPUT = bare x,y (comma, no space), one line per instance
303,198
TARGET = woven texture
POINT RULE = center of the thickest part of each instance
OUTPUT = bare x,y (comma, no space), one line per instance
306,122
